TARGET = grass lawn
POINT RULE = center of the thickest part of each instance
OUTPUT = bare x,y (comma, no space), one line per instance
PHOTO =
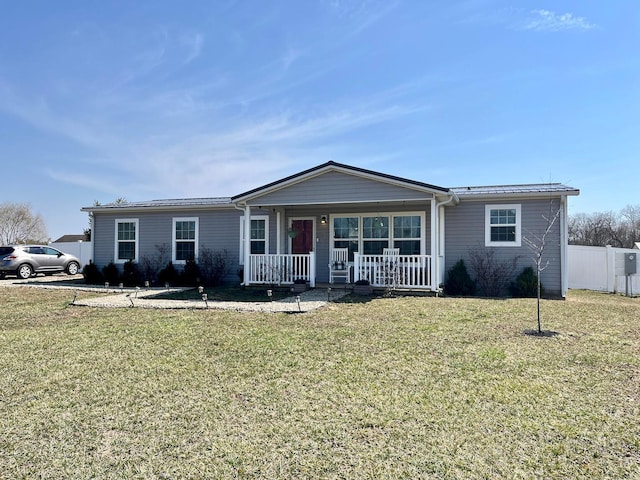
391,388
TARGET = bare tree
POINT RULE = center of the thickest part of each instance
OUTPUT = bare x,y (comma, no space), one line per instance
19,225
606,228
537,243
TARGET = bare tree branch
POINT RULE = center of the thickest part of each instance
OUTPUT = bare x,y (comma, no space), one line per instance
19,225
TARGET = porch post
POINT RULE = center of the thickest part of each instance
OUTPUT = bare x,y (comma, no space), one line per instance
312,269
435,281
278,230
247,245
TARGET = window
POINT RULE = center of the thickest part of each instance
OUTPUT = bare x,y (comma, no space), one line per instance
259,236
502,225
126,240
375,235
345,234
185,240
398,230
407,232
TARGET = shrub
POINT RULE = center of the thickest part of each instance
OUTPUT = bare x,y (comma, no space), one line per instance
169,275
363,281
150,264
492,275
131,274
91,274
526,284
111,274
213,266
458,280
190,276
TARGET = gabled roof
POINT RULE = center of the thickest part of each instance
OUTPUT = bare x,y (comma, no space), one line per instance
71,238
535,189
334,166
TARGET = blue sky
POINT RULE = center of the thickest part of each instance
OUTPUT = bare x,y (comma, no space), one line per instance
156,99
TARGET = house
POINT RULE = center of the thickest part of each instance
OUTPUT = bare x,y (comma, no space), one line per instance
291,228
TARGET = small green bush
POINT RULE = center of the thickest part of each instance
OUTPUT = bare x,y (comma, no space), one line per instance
190,276
458,281
169,275
131,274
91,274
526,284
111,274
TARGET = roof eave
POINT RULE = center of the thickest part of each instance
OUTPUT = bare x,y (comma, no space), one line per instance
334,166
158,208
512,195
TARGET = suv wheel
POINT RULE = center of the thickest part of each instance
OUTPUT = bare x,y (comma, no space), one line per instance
72,268
25,271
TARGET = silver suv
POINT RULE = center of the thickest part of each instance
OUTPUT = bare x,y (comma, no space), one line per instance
26,261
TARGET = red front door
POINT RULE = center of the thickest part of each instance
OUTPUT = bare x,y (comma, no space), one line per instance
302,241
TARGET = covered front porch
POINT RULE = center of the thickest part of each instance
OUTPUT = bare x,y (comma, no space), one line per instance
389,271
337,224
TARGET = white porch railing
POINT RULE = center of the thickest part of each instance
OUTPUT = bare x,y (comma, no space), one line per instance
398,271
285,268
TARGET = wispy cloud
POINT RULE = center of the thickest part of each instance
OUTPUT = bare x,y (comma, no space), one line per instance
361,13
39,114
548,21
538,20
193,43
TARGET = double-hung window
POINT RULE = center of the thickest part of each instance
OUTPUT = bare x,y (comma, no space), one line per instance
375,234
185,240
126,246
345,234
370,234
503,225
259,236
407,234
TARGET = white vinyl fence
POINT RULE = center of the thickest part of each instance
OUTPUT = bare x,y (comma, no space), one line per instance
82,250
601,269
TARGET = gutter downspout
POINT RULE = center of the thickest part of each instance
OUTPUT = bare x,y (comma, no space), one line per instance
439,247
246,247
564,232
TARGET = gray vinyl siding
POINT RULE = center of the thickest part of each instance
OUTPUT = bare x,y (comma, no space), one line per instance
219,229
323,232
465,230
333,187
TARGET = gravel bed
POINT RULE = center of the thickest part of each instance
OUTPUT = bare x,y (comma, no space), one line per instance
144,298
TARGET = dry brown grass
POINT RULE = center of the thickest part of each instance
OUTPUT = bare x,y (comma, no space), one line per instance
392,388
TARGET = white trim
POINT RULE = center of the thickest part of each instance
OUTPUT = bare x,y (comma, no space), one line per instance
487,225
173,238
390,238
435,282
374,176
564,246
245,230
397,202
116,241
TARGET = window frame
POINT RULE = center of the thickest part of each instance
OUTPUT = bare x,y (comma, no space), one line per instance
517,242
264,218
174,240
421,228
136,240
391,239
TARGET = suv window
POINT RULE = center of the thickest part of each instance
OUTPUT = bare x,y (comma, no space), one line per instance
6,250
